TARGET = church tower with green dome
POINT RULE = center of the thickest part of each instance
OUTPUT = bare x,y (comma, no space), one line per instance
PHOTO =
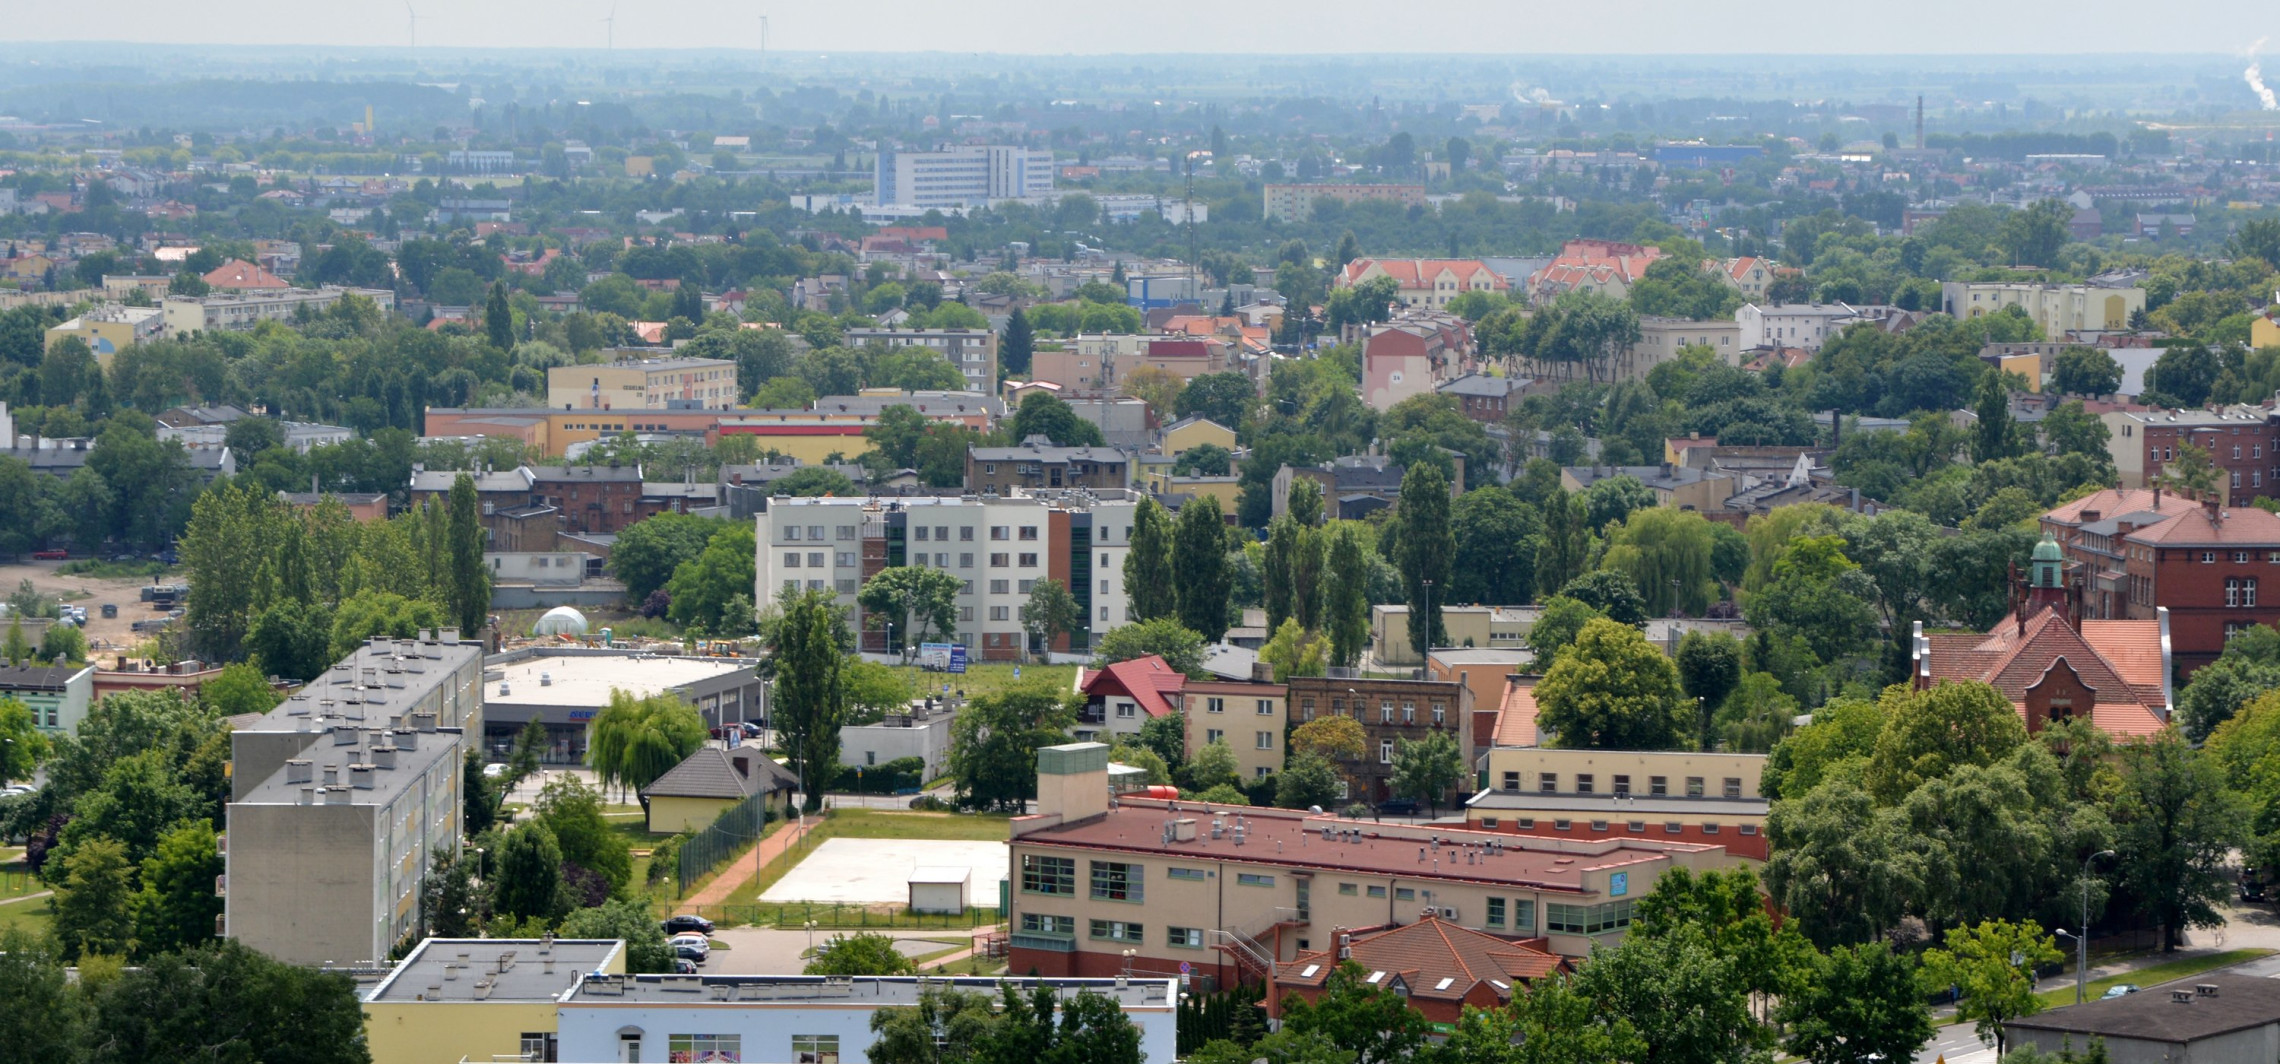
2046,578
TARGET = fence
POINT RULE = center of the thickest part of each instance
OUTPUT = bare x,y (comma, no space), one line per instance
793,916
719,841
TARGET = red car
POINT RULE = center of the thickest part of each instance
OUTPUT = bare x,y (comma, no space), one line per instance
55,555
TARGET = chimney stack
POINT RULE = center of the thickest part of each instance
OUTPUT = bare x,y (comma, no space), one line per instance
361,776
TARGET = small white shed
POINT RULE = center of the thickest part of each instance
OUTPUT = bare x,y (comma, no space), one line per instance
941,890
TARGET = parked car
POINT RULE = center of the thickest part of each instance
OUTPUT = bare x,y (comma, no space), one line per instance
1398,807
689,955
494,770
2119,990
55,554
684,966
687,923
693,940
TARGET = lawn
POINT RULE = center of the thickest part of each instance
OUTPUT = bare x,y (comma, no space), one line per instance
32,916
892,824
981,679
2145,978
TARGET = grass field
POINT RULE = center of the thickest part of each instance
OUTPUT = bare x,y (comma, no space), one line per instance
982,679
2146,977
31,916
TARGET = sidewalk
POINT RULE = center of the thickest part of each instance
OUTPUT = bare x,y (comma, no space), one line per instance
741,872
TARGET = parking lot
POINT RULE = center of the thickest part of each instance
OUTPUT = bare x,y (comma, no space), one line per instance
102,633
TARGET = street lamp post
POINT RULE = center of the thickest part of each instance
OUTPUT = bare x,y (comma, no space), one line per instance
1428,648
2082,940
811,939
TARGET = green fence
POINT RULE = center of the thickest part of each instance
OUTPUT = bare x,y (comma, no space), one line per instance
793,916
729,832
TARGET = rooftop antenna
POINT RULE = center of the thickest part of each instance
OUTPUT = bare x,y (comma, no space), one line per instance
609,30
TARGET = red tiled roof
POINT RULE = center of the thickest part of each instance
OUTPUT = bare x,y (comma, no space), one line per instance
2241,526
1417,273
238,273
2114,502
2130,697
1428,954
1148,681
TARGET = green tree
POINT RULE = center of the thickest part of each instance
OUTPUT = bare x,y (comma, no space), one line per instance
527,883
1200,575
1223,398
1612,690
1427,549
944,1027
45,1013
1567,541
1991,432
2175,827
920,602
994,743
1709,667
1992,965
809,703
63,643
865,953
479,796
572,810
177,905
1345,594
1050,612
1148,585
94,901
292,639
648,551
646,949
1371,1022
369,613
1428,769
530,749
1499,537
632,741
1861,1005
1667,555
713,591
470,580
1688,1003
226,1001
1017,344
1044,414
240,689
451,906
1294,651
1284,536
1212,766
1556,628
2085,371
22,745
1928,734
2192,474
1307,781
498,320
1840,866
2034,235
1179,646
1611,593
1820,595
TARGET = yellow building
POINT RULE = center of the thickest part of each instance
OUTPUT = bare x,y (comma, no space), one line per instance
1248,717
1466,626
2029,366
644,384
2059,309
2263,331
1675,796
111,328
1191,432
709,782
1160,480
458,999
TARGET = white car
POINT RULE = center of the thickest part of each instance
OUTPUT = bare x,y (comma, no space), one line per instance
692,940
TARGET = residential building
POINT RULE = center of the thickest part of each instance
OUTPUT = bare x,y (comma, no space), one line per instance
1710,798
1194,431
2203,571
2219,1019
1248,717
1410,355
1483,398
1036,464
644,384
1438,966
1467,625
1097,365
1678,487
242,311
1150,886
454,999
238,275
1607,267
1122,696
1483,668
998,546
2091,531
1124,422
342,797
1749,275
2059,309
565,687
1286,203
2053,665
1354,486
711,781
2243,442
1424,284
962,175
57,695
806,1019
111,328
588,499
1389,712
298,435
1801,325
973,351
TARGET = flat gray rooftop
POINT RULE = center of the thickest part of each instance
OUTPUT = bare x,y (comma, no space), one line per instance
368,747
383,680
514,969
802,990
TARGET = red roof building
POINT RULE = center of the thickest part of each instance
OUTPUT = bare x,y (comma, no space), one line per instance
1441,967
1425,283
1603,266
1127,694
2146,554
238,275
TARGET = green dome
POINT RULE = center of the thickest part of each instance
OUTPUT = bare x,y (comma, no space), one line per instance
2047,551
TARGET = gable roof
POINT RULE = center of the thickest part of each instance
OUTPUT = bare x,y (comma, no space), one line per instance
2013,658
238,273
1433,957
1150,682
2112,502
2241,526
712,772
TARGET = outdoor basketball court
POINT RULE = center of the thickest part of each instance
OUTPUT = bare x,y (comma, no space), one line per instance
877,871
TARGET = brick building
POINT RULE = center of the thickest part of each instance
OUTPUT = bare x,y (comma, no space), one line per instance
1038,465
2132,554
2243,442
1440,966
1388,711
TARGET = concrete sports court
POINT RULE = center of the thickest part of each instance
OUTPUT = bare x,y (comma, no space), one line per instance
877,871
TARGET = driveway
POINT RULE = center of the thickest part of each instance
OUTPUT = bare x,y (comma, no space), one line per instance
767,951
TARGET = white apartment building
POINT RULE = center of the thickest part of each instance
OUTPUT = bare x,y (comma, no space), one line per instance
965,175
998,547
240,311
1801,325
2058,308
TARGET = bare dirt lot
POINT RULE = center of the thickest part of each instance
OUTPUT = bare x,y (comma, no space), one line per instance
104,635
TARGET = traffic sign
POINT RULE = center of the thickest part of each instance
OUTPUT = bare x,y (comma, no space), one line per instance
1185,967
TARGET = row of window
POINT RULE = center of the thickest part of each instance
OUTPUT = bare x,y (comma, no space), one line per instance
1110,930
1440,710
1261,740
1111,880
1264,707
814,533
805,1048
1561,918
998,533
1670,827
1657,786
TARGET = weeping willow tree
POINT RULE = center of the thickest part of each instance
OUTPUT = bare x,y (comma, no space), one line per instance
635,740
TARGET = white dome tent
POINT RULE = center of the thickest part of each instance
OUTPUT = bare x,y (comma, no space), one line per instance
561,620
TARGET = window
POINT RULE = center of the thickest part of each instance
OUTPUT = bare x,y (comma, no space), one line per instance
538,1045
844,559
1104,557
1746,829
815,559
791,559
1184,937
1116,930
1249,879
1116,881
815,532
1584,783
813,1049
965,613
1404,894
2208,557
999,560
2240,591
1376,892
1000,613
1385,752
1029,561
1694,786
1709,829
1048,875
1562,825
1440,713
844,532
1496,912
1215,705
1622,785
1636,826
1000,532
791,533
1512,781
1673,828
966,535
965,560
1176,872
1488,822
1733,787
1025,586
1044,924
922,533
1525,823
1266,740
847,587
1523,915
1305,709
1264,707
1385,711
1213,735
1348,889
1658,786
1587,919
702,1047
1547,783
2240,557
1029,532
998,587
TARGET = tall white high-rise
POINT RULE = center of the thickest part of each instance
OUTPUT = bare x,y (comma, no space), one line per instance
966,175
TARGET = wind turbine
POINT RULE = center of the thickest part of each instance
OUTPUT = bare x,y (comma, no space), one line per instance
413,19
763,38
609,30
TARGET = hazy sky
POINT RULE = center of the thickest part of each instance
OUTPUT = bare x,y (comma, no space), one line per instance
1156,26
